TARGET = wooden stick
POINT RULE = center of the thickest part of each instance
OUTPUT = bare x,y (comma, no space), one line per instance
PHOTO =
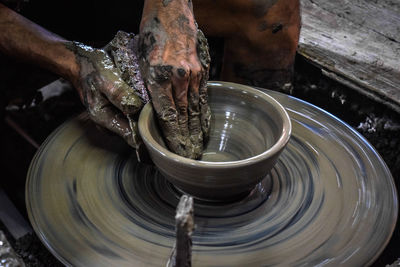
182,253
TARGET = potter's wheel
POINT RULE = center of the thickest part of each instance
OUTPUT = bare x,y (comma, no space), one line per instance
330,200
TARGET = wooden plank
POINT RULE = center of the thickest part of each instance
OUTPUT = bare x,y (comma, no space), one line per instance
11,218
366,14
184,225
357,43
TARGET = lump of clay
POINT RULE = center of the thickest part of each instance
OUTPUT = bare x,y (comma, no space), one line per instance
123,49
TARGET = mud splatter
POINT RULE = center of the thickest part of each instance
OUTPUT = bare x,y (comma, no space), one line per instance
276,28
124,52
146,44
202,50
161,73
181,72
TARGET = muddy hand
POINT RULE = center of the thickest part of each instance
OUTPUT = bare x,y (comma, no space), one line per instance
91,71
174,62
109,100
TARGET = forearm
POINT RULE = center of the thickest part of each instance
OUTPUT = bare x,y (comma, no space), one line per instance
21,38
168,26
166,10
158,5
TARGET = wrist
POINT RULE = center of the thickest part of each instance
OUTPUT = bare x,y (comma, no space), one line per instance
66,61
165,12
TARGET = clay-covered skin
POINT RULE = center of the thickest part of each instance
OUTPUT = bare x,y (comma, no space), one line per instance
123,49
174,62
108,98
205,59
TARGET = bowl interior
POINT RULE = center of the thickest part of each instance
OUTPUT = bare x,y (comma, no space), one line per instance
244,124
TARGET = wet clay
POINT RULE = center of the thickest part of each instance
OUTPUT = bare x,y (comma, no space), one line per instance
107,97
113,87
176,77
124,50
157,77
98,68
205,59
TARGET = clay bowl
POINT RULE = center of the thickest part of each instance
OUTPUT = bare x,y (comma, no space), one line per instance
249,130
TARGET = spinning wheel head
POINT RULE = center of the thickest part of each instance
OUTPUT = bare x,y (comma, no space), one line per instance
249,130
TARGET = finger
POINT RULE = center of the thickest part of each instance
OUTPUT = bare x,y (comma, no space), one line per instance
134,127
196,134
119,94
204,57
167,114
205,111
180,84
116,90
113,120
106,115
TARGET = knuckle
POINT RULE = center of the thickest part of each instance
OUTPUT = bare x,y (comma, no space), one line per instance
161,73
168,114
182,108
130,102
197,69
93,115
194,98
197,73
183,72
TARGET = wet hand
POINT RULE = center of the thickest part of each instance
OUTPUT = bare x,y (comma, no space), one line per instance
174,62
108,99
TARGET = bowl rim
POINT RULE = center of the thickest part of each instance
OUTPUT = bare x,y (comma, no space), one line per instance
277,147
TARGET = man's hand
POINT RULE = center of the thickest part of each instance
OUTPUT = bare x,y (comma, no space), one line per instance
174,62
109,100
